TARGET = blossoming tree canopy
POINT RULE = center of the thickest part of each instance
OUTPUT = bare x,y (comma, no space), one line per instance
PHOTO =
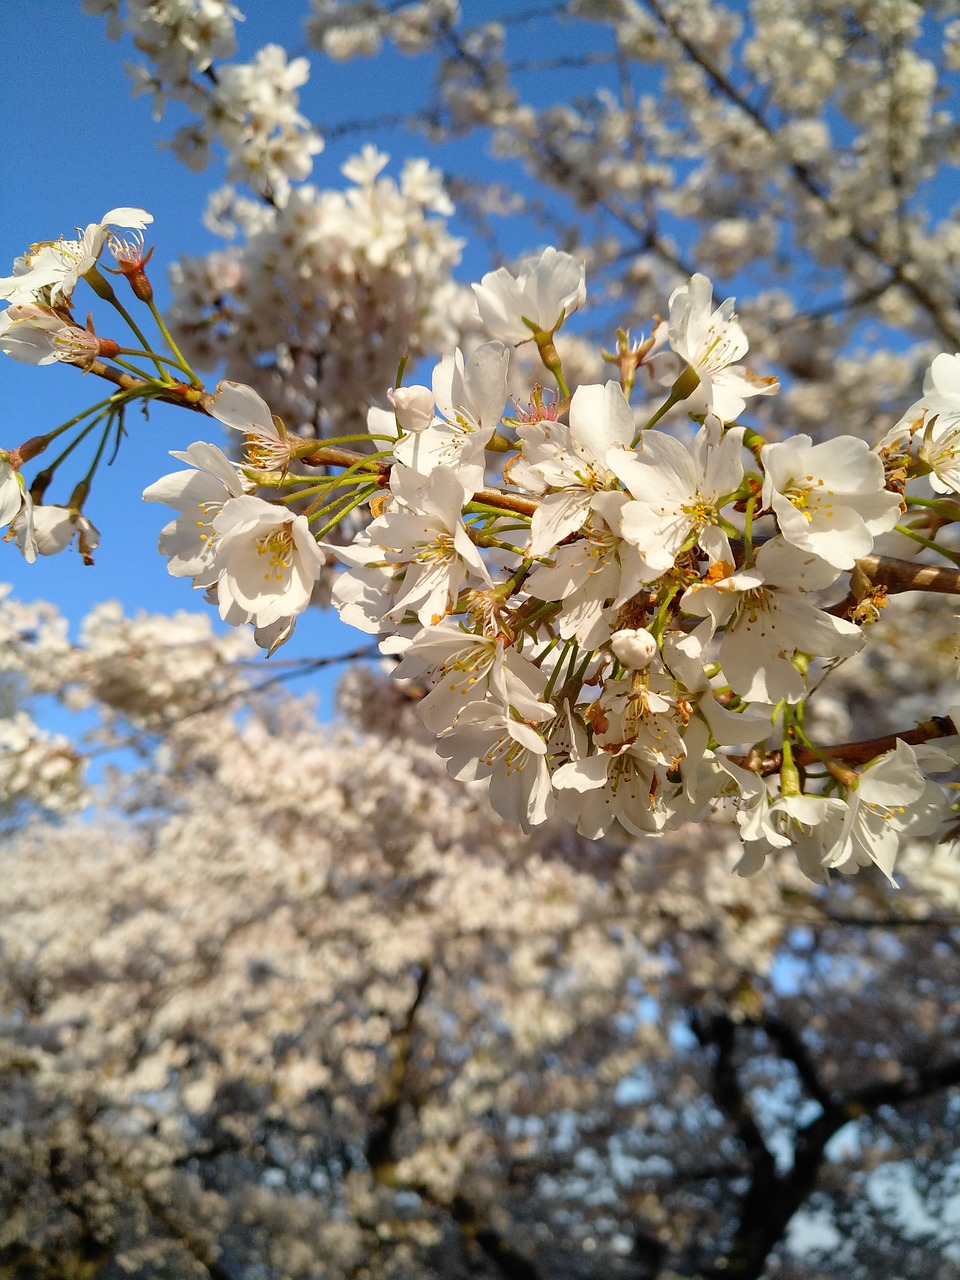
620,598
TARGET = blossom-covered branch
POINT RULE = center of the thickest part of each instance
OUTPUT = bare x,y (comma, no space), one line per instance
614,622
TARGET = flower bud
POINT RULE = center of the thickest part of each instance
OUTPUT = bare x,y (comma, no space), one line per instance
413,407
634,647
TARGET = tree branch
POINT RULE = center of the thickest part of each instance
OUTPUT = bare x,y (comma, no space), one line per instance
772,1200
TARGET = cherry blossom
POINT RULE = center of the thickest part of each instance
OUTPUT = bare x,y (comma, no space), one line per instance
711,341
767,617
603,631
469,396
566,466
678,493
587,575
829,498
53,529
935,419
15,501
50,270
267,560
638,739
198,495
241,408
468,667
35,334
635,647
426,538
882,806
537,299
508,756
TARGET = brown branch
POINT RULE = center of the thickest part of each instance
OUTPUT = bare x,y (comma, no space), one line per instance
772,1199
792,1047
907,575
386,1117
802,176
128,382
880,571
854,752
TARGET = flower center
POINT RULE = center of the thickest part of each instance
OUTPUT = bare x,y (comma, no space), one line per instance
439,550
277,546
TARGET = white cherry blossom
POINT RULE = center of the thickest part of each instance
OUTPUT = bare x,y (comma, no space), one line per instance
711,341
427,544
16,504
12,489
880,809
678,493
587,574
935,419
768,617
266,558
568,465
537,298
50,271
635,647
509,756
53,528
198,495
637,736
240,407
829,498
413,407
809,824
34,334
466,668
469,396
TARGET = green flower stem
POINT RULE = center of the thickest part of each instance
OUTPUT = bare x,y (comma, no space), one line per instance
546,609
659,624
140,355
952,556
357,501
138,334
682,389
728,527
811,746
569,652
51,467
480,508
356,435
81,490
550,358
324,484
948,508
753,441
168,338
748,528
111,401
500,444
581,671
132,368
489,540
789,773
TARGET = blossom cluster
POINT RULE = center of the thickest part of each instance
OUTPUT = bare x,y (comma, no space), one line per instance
250,109
611,622
612,631
312,300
